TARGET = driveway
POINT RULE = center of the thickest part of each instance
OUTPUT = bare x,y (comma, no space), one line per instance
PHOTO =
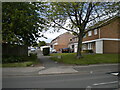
47,62
52,67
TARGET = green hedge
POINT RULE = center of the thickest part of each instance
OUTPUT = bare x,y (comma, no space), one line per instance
13,59
87,51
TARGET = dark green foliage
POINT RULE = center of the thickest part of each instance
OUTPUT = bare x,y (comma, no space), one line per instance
13,59
46,51
87,51
22,22
41,43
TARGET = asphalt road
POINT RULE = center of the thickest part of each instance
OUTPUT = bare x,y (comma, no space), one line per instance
78,80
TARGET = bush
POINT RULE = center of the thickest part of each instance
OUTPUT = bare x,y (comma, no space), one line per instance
13,59
46,51
87,51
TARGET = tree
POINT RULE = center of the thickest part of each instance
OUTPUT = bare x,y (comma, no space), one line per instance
22,22
80,17
42,43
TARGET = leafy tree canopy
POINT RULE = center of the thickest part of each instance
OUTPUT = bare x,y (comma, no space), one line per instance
22,22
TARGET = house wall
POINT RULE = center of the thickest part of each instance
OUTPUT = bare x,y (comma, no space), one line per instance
58,47
87,38
111,30
111,46
62,41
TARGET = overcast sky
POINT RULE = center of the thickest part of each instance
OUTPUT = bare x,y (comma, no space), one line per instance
51,36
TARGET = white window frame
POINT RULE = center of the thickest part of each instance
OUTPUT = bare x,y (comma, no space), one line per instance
90,33
89,46
95,31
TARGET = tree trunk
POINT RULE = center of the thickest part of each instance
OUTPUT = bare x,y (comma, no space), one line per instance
79,47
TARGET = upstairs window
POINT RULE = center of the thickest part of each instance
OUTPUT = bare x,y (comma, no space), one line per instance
95,32
90,33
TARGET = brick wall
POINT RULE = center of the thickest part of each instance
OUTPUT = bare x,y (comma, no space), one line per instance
58,47
111,30
62,41
111,46
87,38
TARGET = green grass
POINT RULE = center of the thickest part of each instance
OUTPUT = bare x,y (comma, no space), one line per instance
69,58
28,61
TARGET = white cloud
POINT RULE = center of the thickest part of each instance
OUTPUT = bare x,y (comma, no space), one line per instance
51,36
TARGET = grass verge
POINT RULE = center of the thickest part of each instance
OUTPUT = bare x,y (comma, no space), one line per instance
69,58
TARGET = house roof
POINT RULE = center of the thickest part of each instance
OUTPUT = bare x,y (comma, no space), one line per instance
105,22
59,36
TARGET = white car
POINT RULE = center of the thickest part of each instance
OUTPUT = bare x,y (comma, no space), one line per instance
54,51
32,49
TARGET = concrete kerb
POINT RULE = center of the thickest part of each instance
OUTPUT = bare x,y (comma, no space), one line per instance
69,69
51,71
57,70
93,65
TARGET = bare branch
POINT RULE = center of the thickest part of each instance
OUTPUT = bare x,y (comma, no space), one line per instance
80,14
64,27
71,19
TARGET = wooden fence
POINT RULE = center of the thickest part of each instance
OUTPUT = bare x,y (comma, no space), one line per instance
14,50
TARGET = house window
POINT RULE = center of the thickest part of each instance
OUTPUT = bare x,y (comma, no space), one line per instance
72,46
90,33
95,32
89,46
84,47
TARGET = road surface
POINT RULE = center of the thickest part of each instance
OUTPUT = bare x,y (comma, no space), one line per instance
92,79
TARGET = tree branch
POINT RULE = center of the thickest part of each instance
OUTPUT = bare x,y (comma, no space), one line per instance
100,25
64,27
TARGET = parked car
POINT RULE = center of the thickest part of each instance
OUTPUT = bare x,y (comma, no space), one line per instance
65,50
54,51
32,49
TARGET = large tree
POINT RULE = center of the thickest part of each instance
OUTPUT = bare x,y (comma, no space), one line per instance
22,22
80,17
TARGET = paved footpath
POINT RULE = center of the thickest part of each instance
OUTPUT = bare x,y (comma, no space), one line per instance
52,67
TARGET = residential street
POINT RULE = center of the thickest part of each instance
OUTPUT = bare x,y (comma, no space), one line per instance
58,45
55,75
78,80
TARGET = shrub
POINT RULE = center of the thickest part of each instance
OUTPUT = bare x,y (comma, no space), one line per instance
13,59
87,51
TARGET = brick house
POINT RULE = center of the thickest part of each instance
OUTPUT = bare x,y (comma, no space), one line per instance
61,41
102,40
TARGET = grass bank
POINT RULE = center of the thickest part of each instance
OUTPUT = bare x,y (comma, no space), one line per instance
26,61
69,58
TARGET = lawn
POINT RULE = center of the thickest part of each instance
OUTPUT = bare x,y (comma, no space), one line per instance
27,61
69,58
